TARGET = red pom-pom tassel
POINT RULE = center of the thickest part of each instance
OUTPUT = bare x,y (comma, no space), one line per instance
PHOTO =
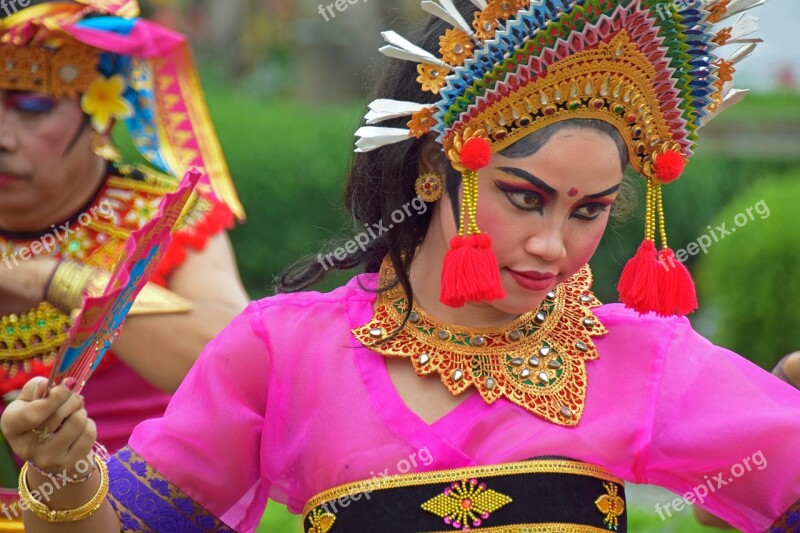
675,285
657,282
669,166
638,285
476,153
470,272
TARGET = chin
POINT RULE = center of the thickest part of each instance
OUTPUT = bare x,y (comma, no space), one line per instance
520,301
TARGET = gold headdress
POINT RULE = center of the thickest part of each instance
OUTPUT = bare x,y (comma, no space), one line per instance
647,67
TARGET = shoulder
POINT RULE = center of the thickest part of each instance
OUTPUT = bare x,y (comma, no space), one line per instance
621,317
639,335
318,309
132,185
136,192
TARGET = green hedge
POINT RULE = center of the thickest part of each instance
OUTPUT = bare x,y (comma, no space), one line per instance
709,182
751,277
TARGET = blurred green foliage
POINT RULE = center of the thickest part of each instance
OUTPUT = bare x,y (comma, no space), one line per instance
710,181
750,278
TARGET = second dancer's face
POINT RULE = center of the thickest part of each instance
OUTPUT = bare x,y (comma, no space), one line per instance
545,213
44,151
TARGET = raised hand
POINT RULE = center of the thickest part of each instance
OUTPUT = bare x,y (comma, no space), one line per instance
52,431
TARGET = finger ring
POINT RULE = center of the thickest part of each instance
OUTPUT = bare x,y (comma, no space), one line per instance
42,434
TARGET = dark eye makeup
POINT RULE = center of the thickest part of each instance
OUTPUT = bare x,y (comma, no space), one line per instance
29,103
528,199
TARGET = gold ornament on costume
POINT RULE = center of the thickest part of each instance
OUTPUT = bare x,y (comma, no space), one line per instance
611,82
37,334
458,142
61,72
421,122
464,495
456,47
485,24
537,362
431,77
430,186
102,146
611,505
466,503
321,522
505,9
718,11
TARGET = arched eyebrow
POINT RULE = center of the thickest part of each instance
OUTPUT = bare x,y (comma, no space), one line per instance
530,178
610,190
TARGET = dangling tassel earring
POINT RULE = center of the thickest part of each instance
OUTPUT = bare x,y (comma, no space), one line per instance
470,272
102,146
675,285
656,281
638,288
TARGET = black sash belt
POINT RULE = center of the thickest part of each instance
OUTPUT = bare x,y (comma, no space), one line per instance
541,495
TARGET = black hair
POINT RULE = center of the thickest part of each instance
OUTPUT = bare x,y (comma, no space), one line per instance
383,180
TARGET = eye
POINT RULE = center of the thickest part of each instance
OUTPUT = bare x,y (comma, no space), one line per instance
30,103
590,211
527,200
524,199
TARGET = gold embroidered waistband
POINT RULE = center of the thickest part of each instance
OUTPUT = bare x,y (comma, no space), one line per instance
537,466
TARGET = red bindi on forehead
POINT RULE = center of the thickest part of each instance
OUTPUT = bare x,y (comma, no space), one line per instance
573,192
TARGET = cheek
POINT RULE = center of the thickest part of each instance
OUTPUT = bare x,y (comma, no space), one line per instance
51,152
583,241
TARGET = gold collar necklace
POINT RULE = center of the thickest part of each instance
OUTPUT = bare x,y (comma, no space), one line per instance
537,361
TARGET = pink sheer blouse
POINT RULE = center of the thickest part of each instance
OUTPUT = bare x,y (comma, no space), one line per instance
285,403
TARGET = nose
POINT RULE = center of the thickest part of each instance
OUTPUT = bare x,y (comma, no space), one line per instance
8,139
547,243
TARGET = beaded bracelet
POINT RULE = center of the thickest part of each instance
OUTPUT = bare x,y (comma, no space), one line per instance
66,515
99,452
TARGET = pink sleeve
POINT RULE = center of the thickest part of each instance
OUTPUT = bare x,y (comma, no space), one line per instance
208,442
725,434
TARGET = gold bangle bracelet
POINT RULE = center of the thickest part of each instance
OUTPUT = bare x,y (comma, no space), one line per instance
70,281
67,515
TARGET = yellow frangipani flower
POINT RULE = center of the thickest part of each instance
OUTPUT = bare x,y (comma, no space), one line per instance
104,101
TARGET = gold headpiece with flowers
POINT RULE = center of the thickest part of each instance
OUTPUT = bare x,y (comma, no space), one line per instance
647,67
123,68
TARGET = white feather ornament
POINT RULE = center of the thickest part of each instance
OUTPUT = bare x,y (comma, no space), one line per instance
445,10
401,48
371,137
385,109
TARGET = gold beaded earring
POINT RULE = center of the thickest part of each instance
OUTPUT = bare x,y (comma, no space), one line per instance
101,145
429,186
